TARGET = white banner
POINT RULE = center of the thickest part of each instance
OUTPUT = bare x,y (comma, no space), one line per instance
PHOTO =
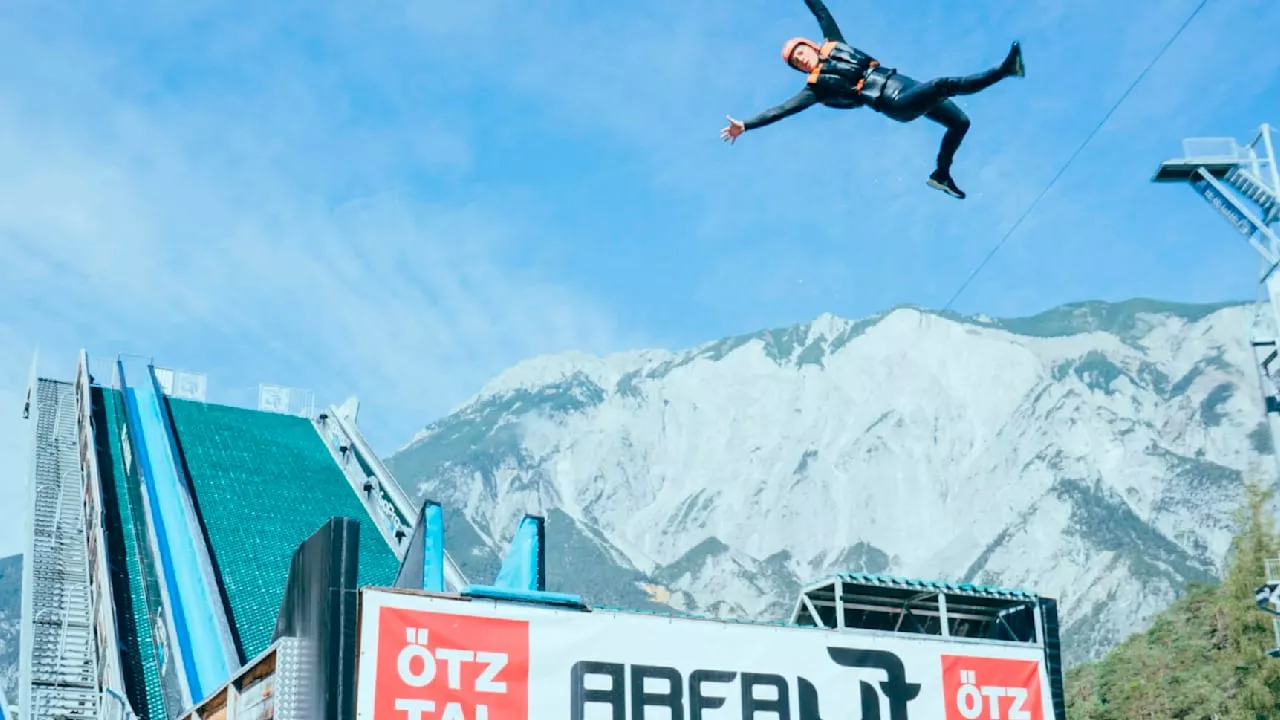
438,658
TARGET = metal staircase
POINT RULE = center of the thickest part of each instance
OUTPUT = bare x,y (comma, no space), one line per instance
1253,188
59,674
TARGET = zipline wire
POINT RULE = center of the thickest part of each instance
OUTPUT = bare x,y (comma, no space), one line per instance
1062,171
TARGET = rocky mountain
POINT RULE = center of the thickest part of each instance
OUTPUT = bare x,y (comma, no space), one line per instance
10,617
1091,453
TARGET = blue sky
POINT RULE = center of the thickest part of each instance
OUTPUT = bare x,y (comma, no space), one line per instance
400,199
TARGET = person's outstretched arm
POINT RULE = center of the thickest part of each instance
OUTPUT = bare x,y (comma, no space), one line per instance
800,101
826,23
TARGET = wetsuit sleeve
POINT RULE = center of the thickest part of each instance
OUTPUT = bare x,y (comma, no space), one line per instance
825,22
798,102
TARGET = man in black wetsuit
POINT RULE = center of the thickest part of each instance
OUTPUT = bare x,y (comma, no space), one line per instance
841,76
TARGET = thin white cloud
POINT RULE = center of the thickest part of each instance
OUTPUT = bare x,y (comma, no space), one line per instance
256,240
270,225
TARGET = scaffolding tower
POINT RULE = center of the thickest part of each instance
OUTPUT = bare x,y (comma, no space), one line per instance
1243,184
58,668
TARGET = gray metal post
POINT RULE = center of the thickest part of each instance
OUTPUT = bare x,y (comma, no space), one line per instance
839,597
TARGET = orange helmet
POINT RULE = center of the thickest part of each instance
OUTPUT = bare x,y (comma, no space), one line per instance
792,44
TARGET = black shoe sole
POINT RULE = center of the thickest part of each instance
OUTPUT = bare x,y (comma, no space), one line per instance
939,186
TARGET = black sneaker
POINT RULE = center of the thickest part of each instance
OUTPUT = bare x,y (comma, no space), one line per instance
1012,64
946,185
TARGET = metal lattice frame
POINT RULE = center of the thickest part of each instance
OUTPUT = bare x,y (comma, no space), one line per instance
58,665
1273,577
391,509
878,603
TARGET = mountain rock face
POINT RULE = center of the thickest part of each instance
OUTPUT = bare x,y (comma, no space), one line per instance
10,623
1092,453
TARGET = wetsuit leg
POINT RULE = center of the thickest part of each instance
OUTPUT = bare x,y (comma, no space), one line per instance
920,99
949,115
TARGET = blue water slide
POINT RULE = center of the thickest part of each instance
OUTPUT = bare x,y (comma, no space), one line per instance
203,650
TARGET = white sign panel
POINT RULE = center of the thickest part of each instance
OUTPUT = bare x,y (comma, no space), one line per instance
286,401
190,386
434,658
273,398
182,385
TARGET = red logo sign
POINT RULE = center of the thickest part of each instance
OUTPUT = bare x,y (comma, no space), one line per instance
436,666
991,688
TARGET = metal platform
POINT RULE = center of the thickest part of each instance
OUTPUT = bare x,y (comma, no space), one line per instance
859,601
1217,156
1182,170
1250,169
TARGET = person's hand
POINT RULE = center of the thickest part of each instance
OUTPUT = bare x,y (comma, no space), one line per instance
730,134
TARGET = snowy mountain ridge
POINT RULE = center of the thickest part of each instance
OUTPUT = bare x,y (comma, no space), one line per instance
1092,453
831,331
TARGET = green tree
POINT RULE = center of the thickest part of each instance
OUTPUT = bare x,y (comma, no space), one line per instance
1255,692
1205,657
